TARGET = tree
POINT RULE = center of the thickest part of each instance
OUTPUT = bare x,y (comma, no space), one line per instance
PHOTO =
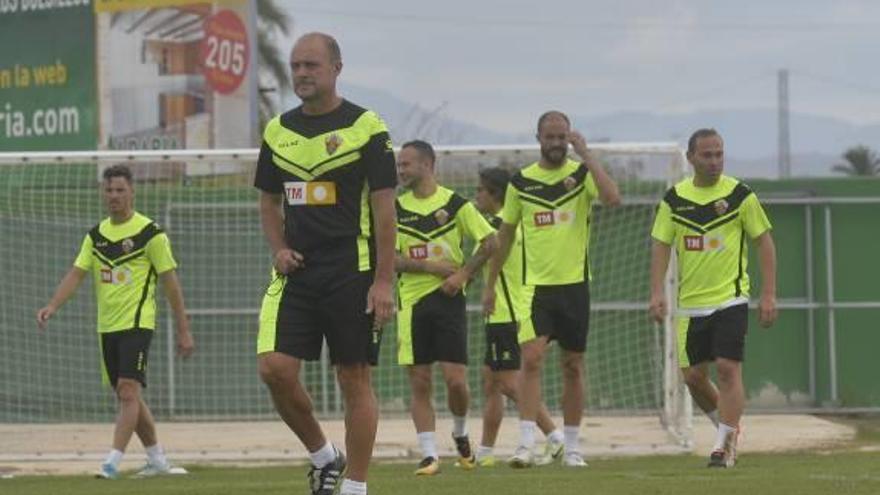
272,72
859,161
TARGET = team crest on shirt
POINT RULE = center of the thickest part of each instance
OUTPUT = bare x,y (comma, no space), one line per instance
442,216
721,207
569,183
332,143
127,245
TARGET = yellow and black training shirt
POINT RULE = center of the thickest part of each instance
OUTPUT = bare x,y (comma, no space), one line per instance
325,166
513,299
709,227
125,260
433,229
554,207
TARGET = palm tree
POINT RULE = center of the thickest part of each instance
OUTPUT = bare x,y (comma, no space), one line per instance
272,66
859,161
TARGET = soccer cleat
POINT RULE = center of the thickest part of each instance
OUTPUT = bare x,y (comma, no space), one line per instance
717,459
487,462
466,458
731,445
552,452
151,469
323,480
429,466
574,459
107,472
522,458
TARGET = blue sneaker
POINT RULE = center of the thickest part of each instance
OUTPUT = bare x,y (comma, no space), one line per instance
107,472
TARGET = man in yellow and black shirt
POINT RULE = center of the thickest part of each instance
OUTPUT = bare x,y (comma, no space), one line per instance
510,322
326,177
709,220
552,202
432,222
127,254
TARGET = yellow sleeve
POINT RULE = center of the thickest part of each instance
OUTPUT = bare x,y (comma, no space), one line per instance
663,229
473,224
159,253
83,260
512,206
754,219
590,188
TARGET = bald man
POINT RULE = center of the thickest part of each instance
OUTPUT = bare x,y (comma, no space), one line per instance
326,175
552,199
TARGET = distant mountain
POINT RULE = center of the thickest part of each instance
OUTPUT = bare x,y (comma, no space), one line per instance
407,120
750,134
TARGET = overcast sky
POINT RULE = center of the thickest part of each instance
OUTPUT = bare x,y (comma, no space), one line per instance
500,63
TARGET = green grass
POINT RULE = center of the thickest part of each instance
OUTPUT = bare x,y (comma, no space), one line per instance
790,473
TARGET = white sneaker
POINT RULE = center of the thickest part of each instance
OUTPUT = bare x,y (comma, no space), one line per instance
552,452
731,445
522,458
574,459
152,469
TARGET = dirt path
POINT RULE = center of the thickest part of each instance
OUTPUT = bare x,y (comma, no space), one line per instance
79,448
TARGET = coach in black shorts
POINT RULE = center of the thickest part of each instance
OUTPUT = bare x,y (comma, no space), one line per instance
326,174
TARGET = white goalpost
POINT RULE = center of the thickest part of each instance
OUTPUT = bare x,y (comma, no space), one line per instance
204,199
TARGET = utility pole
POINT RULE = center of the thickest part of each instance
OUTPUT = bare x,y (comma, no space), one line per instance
784,131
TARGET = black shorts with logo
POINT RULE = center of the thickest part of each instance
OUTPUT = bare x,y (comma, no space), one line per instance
562,313
502,348
435,328
721,334
295,321
124,355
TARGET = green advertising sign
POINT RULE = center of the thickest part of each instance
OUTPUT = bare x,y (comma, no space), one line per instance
47,75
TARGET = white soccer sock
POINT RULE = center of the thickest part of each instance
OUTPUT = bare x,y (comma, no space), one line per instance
323,456
527,433
155,455
572,441
351,487
555,436
459,426
713,417
484,451
721,437
114,457
427,443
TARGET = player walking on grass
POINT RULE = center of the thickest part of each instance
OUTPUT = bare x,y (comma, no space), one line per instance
326,177
126,254
552,200
502,361
708,219
431,324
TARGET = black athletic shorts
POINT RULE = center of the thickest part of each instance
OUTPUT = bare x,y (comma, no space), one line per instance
562,313
721,334
502,348
433,329
296,321
124,355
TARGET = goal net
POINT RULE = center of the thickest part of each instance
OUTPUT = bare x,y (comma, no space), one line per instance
206,203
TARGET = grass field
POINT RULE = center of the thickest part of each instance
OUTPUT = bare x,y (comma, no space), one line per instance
833,472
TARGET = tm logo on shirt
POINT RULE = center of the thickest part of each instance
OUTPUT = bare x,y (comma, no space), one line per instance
310,193
116,276
425,251
550,218
703,243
